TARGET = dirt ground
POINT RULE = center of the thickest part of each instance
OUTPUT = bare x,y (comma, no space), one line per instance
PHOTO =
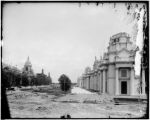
49,102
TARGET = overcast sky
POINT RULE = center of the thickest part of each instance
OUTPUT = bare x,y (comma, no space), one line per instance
61,38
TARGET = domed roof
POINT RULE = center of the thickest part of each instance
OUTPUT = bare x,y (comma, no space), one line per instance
28,63
87,70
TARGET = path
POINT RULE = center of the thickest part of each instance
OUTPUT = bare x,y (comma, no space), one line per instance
78,90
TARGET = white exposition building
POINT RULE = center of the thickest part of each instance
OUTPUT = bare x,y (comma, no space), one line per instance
114,73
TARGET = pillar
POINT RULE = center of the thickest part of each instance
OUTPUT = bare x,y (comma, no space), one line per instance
93,82
86,82
101,81
97,82
143,81
99,78
89,81
117,83
104,81
83,83
132,82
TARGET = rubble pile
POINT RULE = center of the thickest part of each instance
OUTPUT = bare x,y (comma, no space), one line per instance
20,95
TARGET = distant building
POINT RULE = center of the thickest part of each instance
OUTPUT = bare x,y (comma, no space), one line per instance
27,69
114,72
43,79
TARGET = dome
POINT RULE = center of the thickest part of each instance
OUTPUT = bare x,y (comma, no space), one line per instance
87,70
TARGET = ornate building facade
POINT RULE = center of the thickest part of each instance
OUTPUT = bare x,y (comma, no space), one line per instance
114,72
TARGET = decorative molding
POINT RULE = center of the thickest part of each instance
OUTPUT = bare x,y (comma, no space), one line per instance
126,78
124,66
124,49
111,78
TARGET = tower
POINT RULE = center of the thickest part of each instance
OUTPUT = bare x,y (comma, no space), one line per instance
27,69
49,74
42,71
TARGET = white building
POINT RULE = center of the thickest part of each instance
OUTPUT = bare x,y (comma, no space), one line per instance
114,73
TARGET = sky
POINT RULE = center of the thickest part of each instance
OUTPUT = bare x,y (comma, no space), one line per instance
61,38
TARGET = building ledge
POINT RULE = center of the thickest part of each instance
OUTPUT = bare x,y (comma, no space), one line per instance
130,99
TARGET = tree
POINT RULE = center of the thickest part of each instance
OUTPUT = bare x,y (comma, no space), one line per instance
25,81
65,82
5,77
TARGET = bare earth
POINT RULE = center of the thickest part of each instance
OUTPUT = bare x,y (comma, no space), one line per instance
49,102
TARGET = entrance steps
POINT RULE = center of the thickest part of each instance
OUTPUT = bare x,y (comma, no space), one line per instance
123,99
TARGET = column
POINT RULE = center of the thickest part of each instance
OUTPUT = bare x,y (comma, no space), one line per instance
97,81
132,82
94,81
83,83
89,82
104,81
143,81
117,83
100,82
